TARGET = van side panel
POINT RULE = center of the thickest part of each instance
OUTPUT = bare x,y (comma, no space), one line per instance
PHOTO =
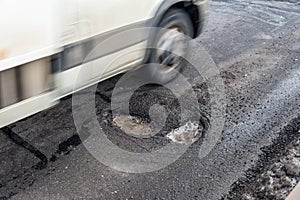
29,31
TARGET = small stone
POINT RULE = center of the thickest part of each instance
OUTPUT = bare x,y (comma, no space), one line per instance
105,114
280,196
286,182
279,173
269,195
292,168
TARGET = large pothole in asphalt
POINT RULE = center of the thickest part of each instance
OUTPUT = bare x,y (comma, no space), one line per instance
155,118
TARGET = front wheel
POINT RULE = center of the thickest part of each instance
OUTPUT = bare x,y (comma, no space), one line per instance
171,45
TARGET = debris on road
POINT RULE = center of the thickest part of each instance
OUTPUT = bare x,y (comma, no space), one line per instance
279,179
186,134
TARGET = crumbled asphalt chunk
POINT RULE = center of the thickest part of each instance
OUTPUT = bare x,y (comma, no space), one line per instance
186,134
292,167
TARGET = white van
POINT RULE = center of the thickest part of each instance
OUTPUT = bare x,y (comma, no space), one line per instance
43,44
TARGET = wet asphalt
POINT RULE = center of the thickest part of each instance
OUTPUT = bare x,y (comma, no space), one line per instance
256,46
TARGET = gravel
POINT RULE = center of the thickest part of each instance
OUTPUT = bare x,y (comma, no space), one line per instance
279,179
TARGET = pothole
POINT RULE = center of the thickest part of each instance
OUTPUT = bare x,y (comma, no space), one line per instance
133,126
136,127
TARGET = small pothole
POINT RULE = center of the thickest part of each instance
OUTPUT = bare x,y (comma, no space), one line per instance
133,126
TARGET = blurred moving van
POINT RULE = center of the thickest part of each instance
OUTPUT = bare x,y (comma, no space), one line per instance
43,45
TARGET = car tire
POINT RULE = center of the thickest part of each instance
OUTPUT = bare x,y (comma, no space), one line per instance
164,63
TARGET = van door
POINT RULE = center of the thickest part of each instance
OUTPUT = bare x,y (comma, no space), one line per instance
94,55
102,19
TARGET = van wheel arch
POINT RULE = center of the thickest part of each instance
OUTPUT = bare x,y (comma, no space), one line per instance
186,5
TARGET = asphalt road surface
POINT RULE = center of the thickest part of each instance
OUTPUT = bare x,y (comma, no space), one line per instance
256,46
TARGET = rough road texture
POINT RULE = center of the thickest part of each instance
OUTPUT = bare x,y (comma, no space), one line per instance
278,180
256,46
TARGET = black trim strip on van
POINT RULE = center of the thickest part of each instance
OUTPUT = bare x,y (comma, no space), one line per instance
75,54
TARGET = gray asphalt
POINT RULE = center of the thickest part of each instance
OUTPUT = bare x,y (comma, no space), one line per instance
256,46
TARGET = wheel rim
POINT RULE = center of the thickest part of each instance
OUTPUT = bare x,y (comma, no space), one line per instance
171,48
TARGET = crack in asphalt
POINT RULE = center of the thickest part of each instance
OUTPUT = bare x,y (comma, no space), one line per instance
104,97
65,146
21,142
